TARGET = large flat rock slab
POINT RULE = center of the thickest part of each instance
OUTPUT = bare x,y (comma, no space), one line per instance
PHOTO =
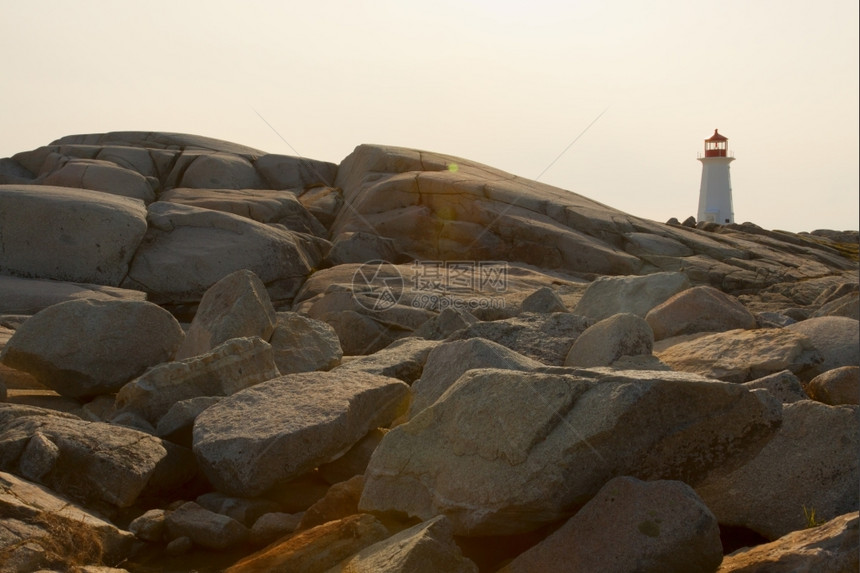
188,249
78,236
280,429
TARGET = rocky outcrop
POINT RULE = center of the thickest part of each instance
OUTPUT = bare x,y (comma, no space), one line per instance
743,355
230,367
320,299
95,243
810,464
526,467
630,525
290,425
82,348
95,463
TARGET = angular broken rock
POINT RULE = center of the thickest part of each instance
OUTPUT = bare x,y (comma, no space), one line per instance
699,309
543,299
83,348
302,344
205,528
446,363
93,462
232,366
543,337
828,548
810,463
403,359
630,525
607,296
743,355
94,243
316,550
280,429
428,547
237,306
603,343
503,452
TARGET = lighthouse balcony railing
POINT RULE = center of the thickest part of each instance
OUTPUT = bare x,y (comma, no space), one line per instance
716,153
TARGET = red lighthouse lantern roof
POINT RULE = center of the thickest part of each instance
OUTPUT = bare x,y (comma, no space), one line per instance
717,137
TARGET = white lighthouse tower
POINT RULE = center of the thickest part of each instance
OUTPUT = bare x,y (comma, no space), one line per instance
715,193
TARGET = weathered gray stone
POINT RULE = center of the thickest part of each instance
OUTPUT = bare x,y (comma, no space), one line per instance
828,548
204,527
428,547
546,338
324,203
607,296
699,309
220,171
495,467
403,359
446,323
302,344
810,463
245,511
95,242
83,348
93,462
743,355
29,296
262,205
181,416
100,175
278,430
446,363
847,306
837,386
188,249
237,306
149,526
230,367
603,343
297,173
272,526
784,386
630,525
543,300
361,247
836,337
354,461
340,501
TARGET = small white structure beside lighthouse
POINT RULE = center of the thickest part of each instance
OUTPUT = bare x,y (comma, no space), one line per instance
715,192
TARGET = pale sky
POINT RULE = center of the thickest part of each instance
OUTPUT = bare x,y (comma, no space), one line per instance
509,84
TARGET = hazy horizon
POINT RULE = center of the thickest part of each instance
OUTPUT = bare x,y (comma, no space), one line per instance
508,84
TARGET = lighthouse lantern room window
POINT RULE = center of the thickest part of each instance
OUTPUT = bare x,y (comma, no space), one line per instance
717,145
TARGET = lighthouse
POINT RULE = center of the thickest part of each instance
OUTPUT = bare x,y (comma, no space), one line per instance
715,192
